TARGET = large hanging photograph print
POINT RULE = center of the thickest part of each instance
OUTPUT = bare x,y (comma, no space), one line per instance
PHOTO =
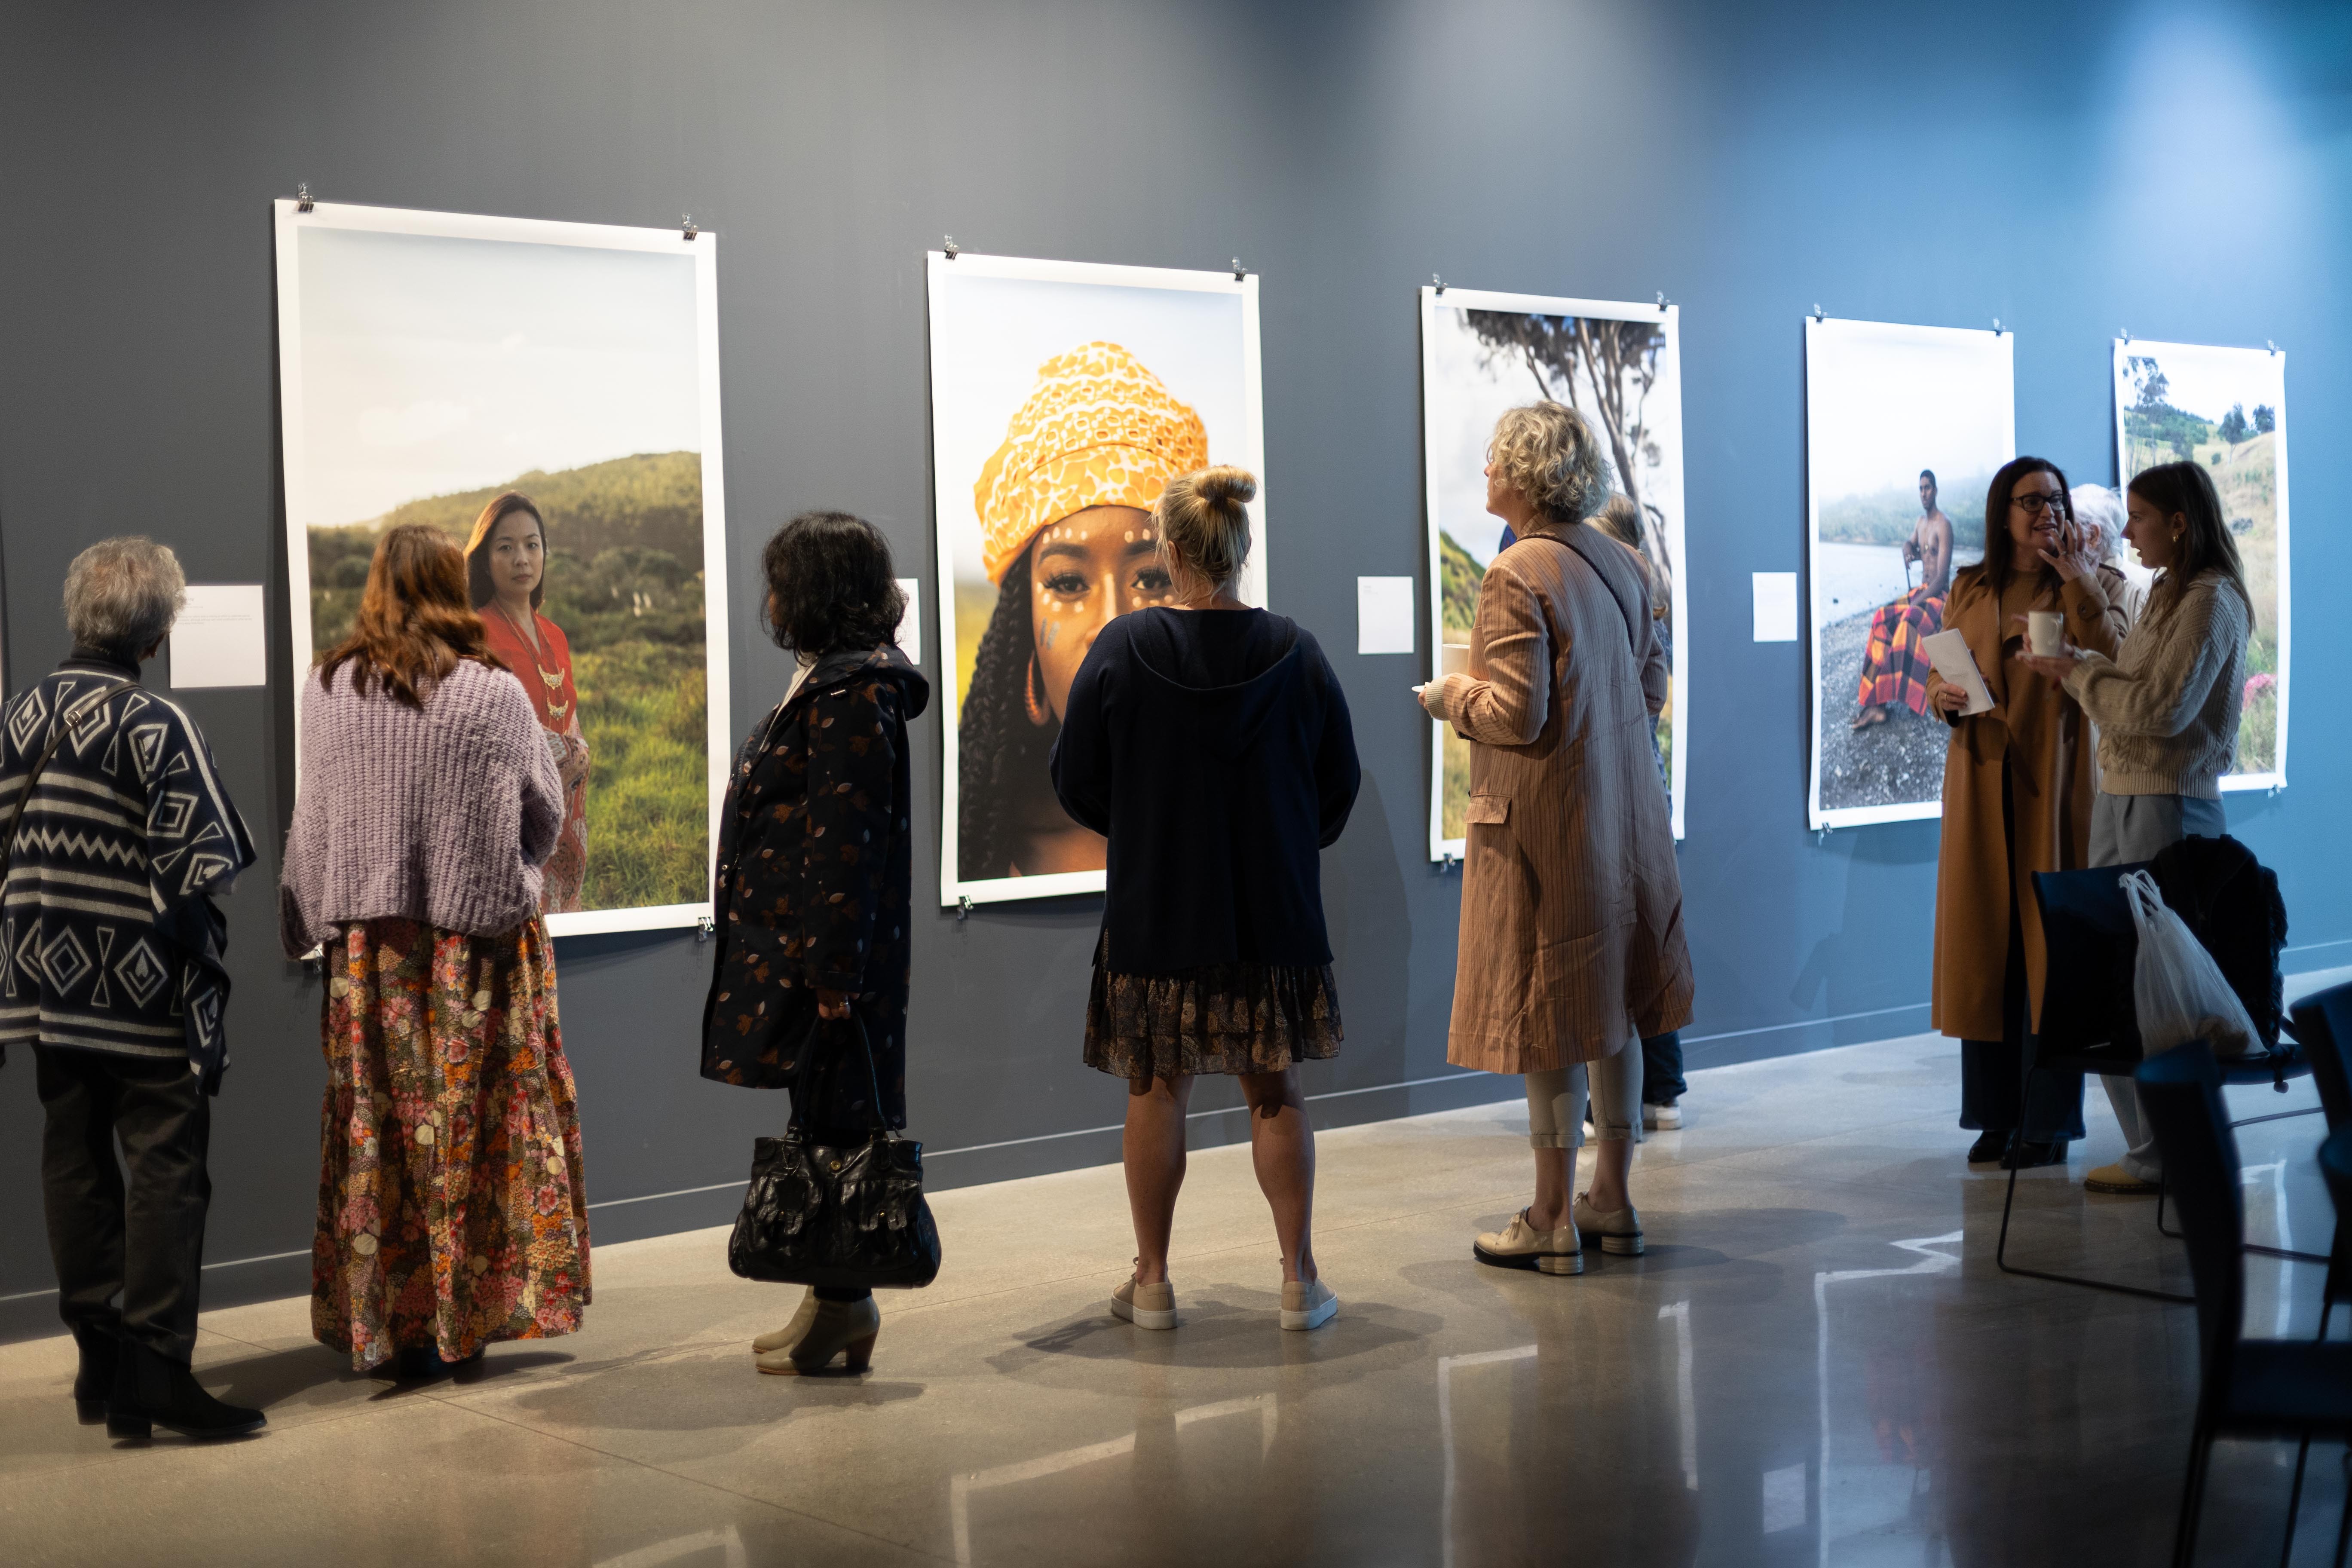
1620,366
547,395
1064,398
1904,428
2225,409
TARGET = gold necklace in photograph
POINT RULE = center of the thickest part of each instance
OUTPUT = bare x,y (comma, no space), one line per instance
552,678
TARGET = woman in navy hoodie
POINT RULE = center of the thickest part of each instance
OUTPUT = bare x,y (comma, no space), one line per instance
1210,743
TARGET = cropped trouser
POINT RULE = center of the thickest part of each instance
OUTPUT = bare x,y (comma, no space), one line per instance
1556,1101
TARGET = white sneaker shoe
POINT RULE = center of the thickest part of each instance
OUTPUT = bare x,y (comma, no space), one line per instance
1145,1306
1519,1245
1619,1233
1307,1304
1666,1117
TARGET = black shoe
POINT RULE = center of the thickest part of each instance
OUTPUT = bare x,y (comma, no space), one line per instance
421,1363
150,1390
94,1384
1989,1147
2026,1154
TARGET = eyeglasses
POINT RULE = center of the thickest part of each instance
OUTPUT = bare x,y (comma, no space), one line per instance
2035,502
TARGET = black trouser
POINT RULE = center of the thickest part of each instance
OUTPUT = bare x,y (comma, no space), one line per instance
1662,1069
145,1242
1999,1092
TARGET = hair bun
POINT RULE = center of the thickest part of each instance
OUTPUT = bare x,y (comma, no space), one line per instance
1224,484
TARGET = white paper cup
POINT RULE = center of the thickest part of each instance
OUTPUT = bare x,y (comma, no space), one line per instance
2044,632
1453,658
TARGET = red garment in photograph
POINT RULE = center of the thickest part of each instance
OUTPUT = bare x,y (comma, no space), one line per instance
545,672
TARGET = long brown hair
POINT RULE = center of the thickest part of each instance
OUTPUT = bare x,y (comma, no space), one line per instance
479,586
2186,491
413,624
2000,550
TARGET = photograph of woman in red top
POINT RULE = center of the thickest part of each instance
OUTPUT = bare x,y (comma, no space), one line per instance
506,566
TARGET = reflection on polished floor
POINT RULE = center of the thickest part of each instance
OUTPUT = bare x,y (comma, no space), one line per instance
1816,1362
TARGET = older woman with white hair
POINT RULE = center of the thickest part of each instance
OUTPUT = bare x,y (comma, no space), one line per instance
1572,904
2102,511
118,834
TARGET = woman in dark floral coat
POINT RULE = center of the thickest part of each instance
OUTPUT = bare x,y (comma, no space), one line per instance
814,883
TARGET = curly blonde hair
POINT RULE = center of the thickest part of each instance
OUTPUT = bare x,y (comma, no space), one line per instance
1548,454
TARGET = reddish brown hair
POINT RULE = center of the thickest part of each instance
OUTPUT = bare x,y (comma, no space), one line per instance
414,623
479,586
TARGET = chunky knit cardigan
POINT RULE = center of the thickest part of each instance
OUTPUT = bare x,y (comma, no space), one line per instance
443,816
2166,704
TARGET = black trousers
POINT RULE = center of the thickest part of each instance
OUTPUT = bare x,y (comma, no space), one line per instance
143,1241
1999,1090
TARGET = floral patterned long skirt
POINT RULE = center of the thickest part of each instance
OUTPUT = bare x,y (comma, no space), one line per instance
452,1210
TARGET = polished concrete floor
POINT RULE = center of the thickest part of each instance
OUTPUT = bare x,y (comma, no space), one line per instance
1816,1362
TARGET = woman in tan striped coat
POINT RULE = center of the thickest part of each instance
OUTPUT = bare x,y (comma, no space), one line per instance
1571,905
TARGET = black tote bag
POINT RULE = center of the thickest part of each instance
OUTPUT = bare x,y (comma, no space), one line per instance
847,1218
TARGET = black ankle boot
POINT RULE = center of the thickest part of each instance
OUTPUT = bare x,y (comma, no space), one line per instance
151,1390
94,1384
1989,1147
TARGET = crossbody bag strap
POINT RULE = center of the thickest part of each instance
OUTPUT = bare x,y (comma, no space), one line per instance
66,721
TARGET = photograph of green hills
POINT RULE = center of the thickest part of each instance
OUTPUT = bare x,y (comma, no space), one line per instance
624,583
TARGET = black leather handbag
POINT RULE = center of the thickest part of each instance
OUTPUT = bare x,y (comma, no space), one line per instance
847,1218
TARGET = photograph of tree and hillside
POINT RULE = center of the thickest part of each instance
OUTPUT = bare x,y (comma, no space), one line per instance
2221,408
624,584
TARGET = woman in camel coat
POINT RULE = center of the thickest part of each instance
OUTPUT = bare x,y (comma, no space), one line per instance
1571,905
2018,786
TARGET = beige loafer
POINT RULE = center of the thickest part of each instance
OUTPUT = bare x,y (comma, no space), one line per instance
2117,1182
1145,1306
1519,1245
788,1336
1618,1231
1307,1304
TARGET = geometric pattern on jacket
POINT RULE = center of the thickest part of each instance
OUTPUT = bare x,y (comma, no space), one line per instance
110,940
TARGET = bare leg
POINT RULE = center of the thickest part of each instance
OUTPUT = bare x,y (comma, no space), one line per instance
1613,1163
1282,1148
1616,1085
1153,1148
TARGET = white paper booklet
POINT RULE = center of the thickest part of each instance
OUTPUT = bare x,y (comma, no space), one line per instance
1948,652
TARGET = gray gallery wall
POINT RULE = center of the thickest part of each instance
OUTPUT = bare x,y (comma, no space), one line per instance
2070,169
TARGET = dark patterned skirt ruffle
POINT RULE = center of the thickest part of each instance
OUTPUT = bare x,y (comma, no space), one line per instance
1220,1018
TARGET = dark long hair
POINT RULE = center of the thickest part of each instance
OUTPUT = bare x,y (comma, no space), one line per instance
829,578
413,624
2000,550
2186,490
1001,753
479,586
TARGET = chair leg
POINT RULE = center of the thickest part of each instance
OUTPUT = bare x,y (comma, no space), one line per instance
2192,1497
2000,1261
2344,1527
2295,1502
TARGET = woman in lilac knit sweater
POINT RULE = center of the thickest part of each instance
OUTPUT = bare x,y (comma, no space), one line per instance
451,1207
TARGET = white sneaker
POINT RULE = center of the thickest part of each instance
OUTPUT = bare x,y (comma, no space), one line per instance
1664,1116
1307,1304
1618,1232
1145,1306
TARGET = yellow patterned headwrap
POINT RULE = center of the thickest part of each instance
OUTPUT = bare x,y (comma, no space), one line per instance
1099,431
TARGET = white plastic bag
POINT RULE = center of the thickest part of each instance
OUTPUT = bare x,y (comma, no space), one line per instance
2176,987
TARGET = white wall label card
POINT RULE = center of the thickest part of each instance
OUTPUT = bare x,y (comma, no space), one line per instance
1385,611
910,623
1776,607
219,639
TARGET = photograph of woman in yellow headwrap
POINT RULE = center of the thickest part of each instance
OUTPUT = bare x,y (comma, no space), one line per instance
1060,410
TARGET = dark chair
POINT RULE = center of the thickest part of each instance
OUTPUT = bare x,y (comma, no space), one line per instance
2323,1022
2089,1025
2247,1388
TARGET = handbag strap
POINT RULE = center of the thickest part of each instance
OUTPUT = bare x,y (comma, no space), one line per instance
1580,539
873,1079
66,722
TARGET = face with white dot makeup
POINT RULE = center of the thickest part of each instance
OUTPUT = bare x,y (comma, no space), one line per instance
1082,570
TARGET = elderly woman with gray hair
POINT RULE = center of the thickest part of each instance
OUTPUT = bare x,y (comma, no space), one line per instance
118,834
1572,904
